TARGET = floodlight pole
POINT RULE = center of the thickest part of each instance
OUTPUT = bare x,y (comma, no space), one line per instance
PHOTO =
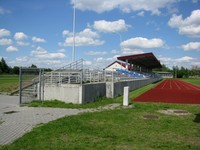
74,26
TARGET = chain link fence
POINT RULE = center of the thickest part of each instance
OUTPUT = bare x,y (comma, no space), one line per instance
31,84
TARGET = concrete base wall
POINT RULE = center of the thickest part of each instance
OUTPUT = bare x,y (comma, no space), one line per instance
69,93
75,93
116,89
92,91
80,94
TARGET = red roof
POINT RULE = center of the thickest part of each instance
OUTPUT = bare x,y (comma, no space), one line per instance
147,60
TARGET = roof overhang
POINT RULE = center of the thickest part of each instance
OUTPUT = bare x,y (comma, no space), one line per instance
147,60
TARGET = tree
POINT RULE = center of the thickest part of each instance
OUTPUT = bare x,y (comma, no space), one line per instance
15,70
33,66
4,67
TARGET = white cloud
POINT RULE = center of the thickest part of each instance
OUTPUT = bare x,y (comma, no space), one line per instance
115,51
41,53
20,36
96,53
111,26
66,33
185,59
127,6
5,41
189,26
83,38
4,11
11,49
61,50
38,40
21,43
191,46
141,13
132,52
4,32
140,42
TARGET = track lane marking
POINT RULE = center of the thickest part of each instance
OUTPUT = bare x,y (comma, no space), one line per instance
177,84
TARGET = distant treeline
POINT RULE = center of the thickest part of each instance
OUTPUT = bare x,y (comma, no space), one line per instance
5,69
181,72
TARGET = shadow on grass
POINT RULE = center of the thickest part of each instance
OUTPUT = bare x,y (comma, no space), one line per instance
197,118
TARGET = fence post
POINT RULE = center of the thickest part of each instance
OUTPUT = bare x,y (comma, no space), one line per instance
40,84
20,85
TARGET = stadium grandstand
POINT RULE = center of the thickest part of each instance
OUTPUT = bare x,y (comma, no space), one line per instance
138,66
79,84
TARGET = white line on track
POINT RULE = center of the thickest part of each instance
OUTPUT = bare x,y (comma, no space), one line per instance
177,85
164,85
189,86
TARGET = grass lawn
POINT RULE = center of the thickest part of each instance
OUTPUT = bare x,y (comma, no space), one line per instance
193,81
8,83
118,129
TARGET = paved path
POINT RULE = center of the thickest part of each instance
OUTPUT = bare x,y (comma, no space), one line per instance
15,120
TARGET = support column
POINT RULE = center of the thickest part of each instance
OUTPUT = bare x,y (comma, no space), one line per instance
126,64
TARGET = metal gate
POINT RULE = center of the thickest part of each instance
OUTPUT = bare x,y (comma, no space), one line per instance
31,84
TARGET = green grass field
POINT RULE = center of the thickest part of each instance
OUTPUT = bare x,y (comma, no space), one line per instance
8,83
117,129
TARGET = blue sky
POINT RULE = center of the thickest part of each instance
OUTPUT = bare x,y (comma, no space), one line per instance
40,31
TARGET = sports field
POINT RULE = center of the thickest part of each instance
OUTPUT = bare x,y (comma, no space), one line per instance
172,91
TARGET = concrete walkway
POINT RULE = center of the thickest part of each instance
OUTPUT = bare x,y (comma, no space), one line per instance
15,121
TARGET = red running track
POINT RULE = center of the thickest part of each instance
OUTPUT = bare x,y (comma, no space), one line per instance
172,91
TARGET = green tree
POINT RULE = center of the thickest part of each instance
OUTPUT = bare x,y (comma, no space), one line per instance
15,70
4,67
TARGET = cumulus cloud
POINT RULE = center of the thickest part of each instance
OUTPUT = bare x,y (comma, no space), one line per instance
191,46
140,42
11,49
127,6
83,38
41,53
4,32
111,26
20,36
21,43
132,52
38,40
141,13
96,53
185,59
189,26
5,41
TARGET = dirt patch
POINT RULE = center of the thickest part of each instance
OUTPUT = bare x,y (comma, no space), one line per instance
176,112
150,116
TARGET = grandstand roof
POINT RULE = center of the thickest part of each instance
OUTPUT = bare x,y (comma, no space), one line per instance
147,60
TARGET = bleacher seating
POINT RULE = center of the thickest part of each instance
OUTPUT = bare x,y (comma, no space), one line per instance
131,73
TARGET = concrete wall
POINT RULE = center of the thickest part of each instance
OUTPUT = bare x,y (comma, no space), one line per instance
92,91
80,94
116,89
68,93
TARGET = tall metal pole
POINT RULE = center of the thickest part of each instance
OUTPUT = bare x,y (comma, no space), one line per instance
20,85
74,26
